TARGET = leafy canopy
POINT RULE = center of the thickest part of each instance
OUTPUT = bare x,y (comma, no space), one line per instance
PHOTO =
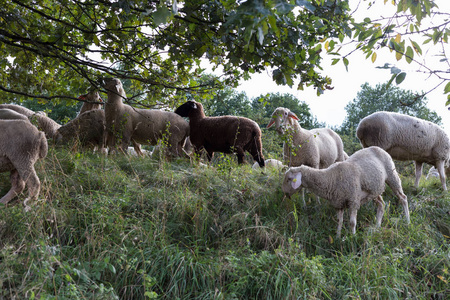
56,49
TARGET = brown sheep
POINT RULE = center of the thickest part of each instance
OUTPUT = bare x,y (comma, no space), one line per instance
21,145
140,126
227,134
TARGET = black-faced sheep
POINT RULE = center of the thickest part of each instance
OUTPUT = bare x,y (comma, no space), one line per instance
317,148
92,101
351,183
142,126
407,138
21,145
227,134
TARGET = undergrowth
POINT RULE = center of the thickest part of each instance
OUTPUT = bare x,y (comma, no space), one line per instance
136,228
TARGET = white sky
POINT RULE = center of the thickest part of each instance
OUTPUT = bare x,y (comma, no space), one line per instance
330,106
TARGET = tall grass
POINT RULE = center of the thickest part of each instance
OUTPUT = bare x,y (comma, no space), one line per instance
136,228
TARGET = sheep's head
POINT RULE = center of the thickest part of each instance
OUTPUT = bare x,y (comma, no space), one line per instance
91,96
280,117
113,85
188,107
292,181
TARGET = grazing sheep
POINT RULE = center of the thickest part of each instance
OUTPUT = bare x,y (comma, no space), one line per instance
317,148
92,100
143,126
350,183
225,134
21,145
269,163
87,128
45,124
407,138
9,114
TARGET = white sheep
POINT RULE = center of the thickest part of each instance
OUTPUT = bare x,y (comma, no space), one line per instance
20,109
88,128
269,163
317,148
21,145
350,183
407,138
46,124
142,126
9,114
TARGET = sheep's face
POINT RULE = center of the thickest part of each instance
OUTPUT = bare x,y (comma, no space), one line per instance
113,85
292,182
184,109
280,117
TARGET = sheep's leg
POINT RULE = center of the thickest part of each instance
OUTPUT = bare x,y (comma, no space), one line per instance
419,166
380,209
353,215
441,170
240,155
404,202
17,186
34,186
340,216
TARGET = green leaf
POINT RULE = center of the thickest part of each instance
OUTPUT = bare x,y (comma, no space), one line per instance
400,77
447,88
416,47
345,60
260,35
161,15
409,55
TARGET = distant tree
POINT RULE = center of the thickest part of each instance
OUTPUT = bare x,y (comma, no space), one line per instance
228,101
264,105
382,97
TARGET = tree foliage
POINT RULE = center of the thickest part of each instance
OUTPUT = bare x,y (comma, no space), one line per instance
55,49
416,25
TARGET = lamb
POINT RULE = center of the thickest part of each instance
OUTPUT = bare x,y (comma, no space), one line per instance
407,138
88,128
317,148
225,134
350,183
9,114
21,145
92,101
142,126
269,163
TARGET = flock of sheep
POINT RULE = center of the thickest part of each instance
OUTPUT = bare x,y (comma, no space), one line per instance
316,158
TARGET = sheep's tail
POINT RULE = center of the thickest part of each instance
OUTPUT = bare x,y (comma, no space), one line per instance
43,145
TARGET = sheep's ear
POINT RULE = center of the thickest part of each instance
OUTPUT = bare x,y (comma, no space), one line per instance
296,181
272,121
82,97
293,116
194,106
118,86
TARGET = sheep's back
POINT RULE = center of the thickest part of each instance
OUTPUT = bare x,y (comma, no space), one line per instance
221,133
404,137
329,146
19,138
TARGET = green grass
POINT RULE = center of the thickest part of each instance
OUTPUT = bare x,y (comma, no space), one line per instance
136,228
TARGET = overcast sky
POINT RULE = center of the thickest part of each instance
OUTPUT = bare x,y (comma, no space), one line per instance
330,107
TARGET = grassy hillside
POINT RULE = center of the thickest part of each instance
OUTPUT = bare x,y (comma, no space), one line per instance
136,228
